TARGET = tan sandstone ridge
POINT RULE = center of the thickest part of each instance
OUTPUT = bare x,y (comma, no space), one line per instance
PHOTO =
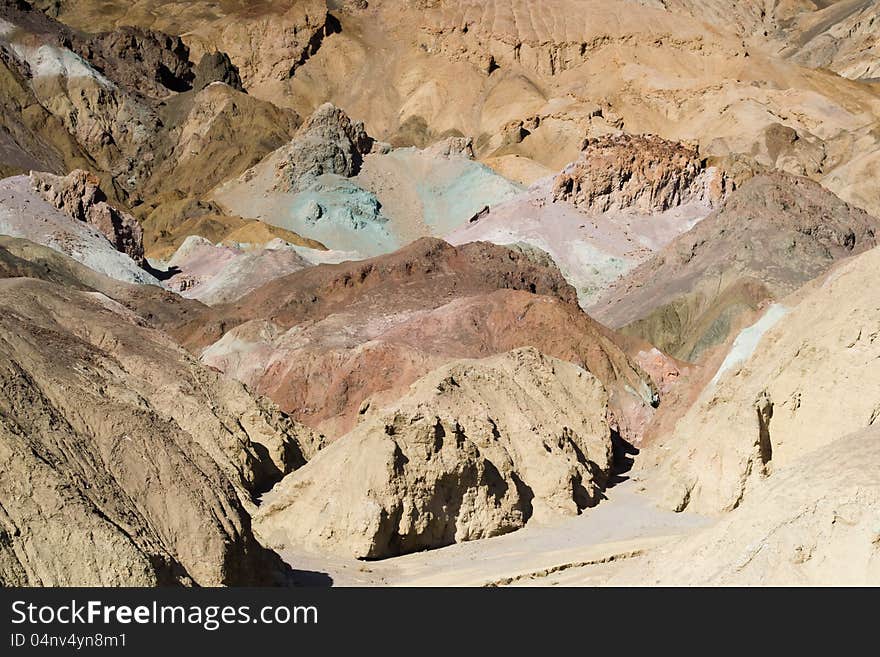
159,130
266,39
474,449
126,462
158,307
770,237
587,68
79,195
813,523
211,135
812,378
840,36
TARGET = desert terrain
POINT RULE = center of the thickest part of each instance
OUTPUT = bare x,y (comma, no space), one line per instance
439,293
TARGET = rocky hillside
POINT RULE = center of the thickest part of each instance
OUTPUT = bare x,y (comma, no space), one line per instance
156,306
47,210
772,400
127,463
642,173
285,285
773,235
811,524
324,340
465,454
333,181
839,36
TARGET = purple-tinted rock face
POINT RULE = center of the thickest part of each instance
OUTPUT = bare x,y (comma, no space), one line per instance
80,196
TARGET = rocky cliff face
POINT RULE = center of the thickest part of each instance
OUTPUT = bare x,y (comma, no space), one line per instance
267,41
642,173
454,388
110,125
496,34
126,463
464,455
142,61
25,213
79,195
124,97
217,67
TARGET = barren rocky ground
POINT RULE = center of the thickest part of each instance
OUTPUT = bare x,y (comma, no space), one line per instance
449,292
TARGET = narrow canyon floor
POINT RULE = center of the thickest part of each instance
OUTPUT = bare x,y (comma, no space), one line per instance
581,551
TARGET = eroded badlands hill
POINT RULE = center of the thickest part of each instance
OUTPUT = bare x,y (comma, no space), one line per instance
322,341
624,198
126,462
76,228
771,236
334,182
525,86
700,176
813,523
474,449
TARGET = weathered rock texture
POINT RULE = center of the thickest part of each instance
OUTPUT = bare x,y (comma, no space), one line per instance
216,228
812,378
80,196
453,147
593,248
475,449
813,523
841,36
427,272
32,137
112,126
702,72
643,173
267,40
157,307
328,142
209,135
121,103
771,236
217,67
125,462
25,213
143,61
326,185
222,274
